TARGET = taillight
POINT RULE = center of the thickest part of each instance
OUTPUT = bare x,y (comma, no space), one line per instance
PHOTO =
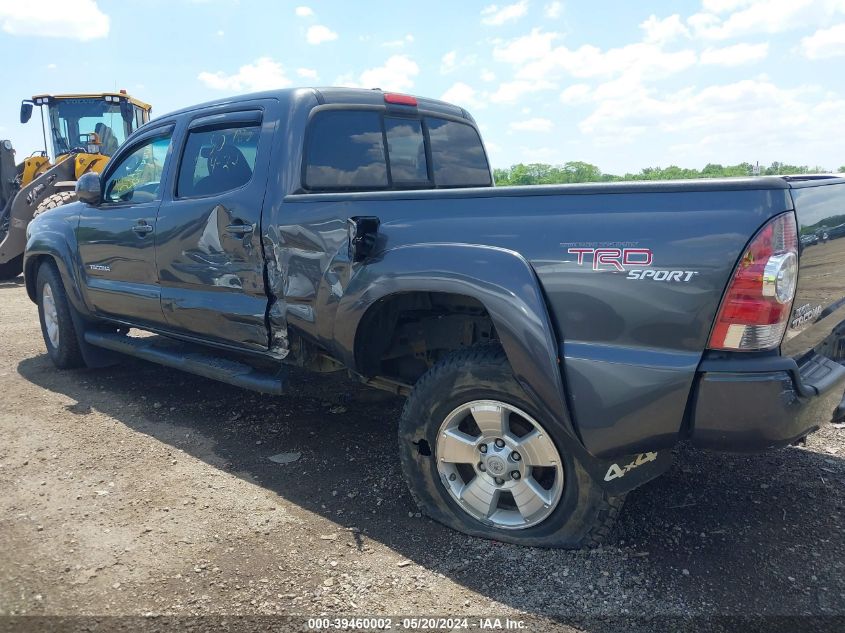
757,303
398,99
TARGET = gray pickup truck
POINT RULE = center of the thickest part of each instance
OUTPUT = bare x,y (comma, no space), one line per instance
554,342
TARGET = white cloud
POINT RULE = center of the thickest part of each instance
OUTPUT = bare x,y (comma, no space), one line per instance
532,125
79,19
512,91
550,155
535,58
735,55
450,62
397,73
722,6
663,31
576,93
640,59
535,45
553,10
304,12
825,43
487,75
306,73
463,95
263,74
318,34
408,39
494,151
763,16
746,120
494,15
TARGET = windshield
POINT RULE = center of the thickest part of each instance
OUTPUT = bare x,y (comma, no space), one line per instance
70,118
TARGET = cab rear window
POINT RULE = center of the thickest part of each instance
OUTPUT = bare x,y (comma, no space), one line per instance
366,150
346,151
457,155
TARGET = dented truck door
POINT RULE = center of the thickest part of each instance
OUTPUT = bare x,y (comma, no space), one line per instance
209,257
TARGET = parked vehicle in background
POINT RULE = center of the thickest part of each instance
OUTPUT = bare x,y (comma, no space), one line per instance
84,129
554,342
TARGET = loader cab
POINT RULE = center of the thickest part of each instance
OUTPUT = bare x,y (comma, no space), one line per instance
89,123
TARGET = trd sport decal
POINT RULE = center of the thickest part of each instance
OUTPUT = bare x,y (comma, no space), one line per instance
634,261
618,258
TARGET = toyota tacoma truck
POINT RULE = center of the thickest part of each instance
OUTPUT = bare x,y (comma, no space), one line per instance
554,343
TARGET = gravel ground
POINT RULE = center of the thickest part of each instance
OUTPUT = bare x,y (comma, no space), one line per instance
139,490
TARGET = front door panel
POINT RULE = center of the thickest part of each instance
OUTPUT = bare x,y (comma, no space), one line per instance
117,238
119,261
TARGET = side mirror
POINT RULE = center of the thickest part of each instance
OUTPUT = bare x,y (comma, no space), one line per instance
88,189
26,111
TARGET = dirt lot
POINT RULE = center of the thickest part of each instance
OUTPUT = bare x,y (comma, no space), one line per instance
140,490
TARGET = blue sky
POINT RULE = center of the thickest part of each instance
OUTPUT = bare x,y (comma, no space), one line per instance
624,85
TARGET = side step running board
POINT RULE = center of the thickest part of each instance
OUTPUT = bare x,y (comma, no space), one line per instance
164,351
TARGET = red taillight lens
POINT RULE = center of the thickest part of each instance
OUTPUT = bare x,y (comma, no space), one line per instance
395,98
756,306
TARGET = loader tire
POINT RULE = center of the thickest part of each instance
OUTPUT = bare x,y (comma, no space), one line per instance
53,201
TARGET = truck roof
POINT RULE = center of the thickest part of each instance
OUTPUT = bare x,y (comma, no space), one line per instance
329,95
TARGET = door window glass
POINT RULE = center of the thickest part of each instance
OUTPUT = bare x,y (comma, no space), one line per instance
137,178
217,160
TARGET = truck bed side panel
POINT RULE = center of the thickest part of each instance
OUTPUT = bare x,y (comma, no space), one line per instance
819,306
629,347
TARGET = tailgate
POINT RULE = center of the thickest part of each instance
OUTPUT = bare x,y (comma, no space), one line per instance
819,307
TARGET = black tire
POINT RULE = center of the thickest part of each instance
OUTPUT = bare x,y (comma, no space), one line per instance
53,201
11,268
584,515
66,354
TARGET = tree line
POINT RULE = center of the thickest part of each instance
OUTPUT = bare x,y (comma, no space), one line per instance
578,171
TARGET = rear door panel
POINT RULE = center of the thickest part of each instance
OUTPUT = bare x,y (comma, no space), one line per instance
208,245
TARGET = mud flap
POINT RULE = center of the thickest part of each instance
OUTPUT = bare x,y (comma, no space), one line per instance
94,357
623,474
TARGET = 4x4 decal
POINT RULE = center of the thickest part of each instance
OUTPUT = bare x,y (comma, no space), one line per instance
616,471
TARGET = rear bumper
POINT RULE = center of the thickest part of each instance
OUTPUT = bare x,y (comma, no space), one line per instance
752,405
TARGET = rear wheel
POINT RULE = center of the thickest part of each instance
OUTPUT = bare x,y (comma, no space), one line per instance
57,326
479,458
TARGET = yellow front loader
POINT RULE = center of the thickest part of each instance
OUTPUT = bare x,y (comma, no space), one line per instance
81,132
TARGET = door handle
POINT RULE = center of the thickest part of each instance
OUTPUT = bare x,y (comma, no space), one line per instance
142,228
239,229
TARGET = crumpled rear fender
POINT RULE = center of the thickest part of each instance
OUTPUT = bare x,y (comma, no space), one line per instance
500,279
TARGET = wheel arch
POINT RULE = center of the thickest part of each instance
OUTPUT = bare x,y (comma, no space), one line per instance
51,244
501,281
